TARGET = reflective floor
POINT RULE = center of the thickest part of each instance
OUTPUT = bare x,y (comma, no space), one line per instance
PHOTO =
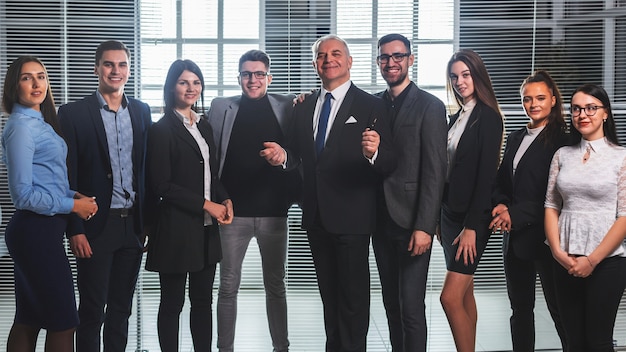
306,330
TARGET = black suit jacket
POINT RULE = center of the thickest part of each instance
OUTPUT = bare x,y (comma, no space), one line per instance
475,165
176,198
413,191
89,164
341,184
524,193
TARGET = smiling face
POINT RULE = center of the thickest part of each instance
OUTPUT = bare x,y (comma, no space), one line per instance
113,71
332,63
395,73
33,85
187,90
590,127
538,101
251,86
461,80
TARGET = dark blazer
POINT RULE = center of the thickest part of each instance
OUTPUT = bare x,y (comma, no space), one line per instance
175,166
341,184
89,164
524,193
414,189
475,165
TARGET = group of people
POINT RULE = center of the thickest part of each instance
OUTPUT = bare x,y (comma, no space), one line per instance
390,167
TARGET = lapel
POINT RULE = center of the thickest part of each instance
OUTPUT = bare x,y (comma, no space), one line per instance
138,128
532,150
94,114
342,116
513,143
181,132
278,112
407,106
230,113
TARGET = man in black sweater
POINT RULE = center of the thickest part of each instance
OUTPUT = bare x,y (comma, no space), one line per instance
261,194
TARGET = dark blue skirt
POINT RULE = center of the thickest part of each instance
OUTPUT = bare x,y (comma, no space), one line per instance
44,287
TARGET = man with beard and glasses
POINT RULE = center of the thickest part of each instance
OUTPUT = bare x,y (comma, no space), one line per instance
409,203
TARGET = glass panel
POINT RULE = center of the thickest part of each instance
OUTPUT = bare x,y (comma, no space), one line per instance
242,19
354,18
199,26
431,64
435,19
205,56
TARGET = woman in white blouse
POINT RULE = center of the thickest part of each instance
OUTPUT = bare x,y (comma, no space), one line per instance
585,224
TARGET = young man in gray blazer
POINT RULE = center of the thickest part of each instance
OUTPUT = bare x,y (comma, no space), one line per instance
410,208
261,194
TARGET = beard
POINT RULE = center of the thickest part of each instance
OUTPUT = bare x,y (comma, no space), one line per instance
396,81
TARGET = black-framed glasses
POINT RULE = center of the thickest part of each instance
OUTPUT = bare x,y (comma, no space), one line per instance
590,110
397,57
257,74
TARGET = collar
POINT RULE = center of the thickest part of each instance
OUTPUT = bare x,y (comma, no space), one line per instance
21,109
185,119
596,145
469,105
339,92
103,104
534,131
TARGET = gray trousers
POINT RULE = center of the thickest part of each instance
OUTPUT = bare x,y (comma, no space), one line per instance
271,236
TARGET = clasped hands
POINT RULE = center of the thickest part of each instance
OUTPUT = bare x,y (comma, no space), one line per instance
223,212
577,266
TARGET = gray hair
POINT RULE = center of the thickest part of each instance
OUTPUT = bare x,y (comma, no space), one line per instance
315,47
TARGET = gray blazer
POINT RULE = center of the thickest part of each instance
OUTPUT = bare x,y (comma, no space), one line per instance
414,190
222,113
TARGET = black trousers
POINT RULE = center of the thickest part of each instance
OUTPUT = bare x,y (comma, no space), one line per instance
172,301
521,275
403,279
588,306
343,277
106,283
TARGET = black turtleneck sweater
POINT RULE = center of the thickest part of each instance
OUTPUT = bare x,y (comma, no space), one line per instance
256,188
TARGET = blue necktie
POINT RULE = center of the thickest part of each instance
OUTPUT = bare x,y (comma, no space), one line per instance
322,124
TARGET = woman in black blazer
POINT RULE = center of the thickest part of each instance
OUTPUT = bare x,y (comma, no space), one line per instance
186,202
474,142
518,196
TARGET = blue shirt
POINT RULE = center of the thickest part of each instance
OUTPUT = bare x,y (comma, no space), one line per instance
35,157
119,131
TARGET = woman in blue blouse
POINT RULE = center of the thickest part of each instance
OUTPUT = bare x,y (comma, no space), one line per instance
34,154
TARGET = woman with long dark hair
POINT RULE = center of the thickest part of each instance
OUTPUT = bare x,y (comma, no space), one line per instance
585,223
518,196
34,154
186,202
474,142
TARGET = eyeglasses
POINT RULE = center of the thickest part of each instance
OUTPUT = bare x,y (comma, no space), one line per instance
590,110
257,74
397,57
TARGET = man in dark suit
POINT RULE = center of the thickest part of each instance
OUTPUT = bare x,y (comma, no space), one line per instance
410,205
261,194
341,137
106,136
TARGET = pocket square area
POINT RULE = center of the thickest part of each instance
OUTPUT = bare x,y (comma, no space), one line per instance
351,119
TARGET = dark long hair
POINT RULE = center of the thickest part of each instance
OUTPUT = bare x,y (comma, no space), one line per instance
10,92
176,69
556,120
609,125
483,89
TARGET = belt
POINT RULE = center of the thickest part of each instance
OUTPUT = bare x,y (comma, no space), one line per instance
120,212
